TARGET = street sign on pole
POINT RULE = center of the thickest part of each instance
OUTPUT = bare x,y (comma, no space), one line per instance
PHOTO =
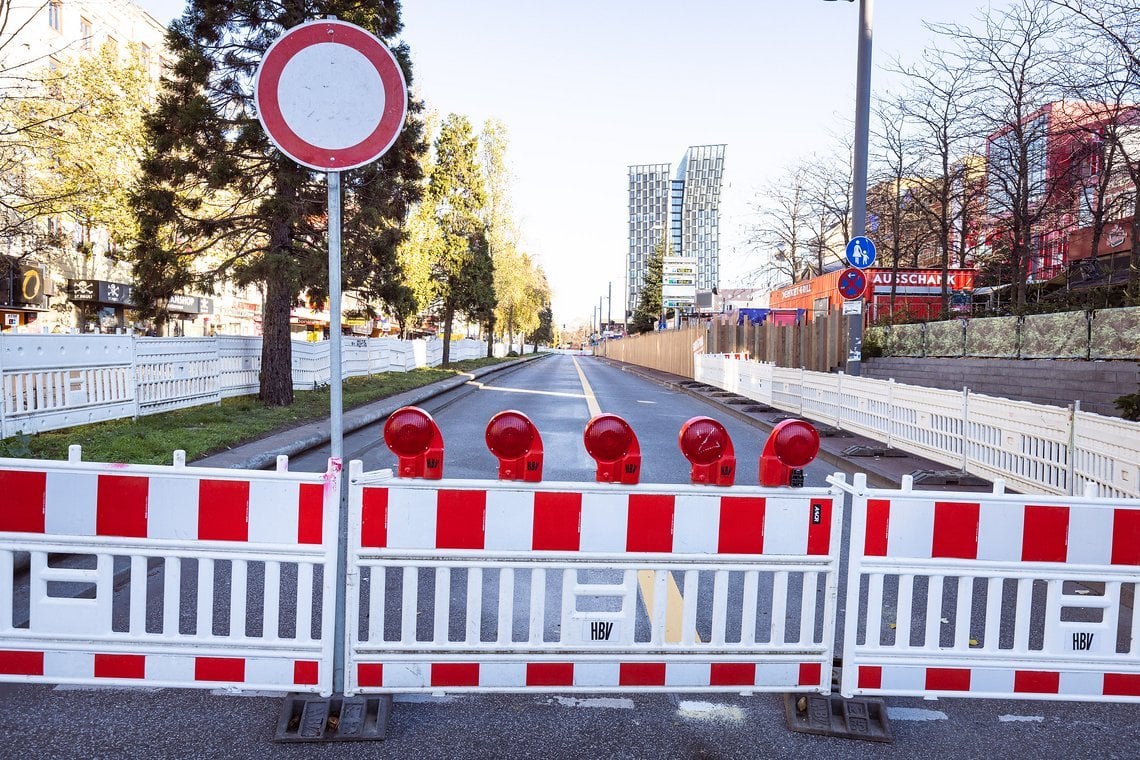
852,283
860,252
332,97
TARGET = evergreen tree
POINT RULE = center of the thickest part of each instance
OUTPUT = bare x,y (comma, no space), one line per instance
648,311
217,200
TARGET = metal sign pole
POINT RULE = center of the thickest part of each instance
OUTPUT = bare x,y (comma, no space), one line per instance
336,426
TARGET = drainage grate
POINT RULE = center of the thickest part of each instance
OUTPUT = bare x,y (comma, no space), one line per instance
833,715
309,718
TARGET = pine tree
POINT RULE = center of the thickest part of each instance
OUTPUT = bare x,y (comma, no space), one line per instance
648,311
217,200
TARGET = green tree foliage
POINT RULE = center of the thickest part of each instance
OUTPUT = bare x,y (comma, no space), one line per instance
648,311
216,199
544,333
459,255
83,140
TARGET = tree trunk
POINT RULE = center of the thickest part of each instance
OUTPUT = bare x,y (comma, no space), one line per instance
276,347
448,318
1132,289
491,335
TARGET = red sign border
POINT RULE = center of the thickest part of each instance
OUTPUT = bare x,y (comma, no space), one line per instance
862,292
291,144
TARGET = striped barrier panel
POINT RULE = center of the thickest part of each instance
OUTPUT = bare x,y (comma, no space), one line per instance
992,595
167,576
505,586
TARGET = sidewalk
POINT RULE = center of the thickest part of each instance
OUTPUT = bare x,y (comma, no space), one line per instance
882,471
262,453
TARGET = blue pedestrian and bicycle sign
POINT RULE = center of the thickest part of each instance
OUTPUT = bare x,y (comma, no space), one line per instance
852,283
860,252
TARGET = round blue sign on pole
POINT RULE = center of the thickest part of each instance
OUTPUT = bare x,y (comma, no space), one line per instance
852,283
860,252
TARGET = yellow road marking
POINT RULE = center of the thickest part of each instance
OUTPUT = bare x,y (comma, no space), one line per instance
591,399
673,599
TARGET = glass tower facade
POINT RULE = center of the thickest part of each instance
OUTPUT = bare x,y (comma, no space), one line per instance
684,206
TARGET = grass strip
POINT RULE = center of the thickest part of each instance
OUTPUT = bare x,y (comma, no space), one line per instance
203,430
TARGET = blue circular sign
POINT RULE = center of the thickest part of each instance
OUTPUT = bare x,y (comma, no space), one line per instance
860,252
852,283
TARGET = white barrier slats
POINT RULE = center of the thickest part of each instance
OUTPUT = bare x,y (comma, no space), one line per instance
141,574
1033,447
992,595
175,373
49,382
482,585
54,381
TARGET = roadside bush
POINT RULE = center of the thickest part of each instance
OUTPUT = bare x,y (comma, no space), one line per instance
1129,406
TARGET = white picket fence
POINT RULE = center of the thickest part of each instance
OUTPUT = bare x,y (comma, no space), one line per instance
1033,447
49,382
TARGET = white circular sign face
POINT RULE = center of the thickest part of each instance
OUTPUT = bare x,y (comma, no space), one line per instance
330,95
313,97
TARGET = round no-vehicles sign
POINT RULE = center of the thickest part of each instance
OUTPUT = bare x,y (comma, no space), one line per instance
330,95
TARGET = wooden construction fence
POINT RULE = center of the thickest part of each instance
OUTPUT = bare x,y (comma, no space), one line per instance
819,346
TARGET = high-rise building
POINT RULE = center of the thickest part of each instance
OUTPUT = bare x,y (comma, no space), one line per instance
684,206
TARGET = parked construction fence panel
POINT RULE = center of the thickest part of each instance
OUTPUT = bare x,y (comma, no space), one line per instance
48,382
1033,447
992,595
167,576
481,585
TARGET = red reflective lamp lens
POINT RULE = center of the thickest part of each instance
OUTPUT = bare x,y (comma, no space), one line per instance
703,441
509,435
796,444
408,432
608,438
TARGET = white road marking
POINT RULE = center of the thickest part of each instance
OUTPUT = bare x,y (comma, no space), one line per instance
485,387
640,401
1021,718
609,703
710,711
915,713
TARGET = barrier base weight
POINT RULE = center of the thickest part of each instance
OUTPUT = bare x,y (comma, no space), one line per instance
310,718
835,716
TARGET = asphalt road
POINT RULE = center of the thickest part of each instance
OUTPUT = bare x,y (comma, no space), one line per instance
70,722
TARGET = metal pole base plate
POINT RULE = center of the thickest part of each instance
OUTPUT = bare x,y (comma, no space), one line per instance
856,718
311,718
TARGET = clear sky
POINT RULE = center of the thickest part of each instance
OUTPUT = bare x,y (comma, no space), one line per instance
589,87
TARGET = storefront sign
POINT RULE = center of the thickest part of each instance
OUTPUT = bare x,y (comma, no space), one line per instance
99,291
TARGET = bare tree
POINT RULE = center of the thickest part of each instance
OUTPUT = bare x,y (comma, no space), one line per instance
1014,57
939,108
782,227
1110,76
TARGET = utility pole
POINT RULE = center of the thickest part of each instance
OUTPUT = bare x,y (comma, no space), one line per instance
610,301
600,314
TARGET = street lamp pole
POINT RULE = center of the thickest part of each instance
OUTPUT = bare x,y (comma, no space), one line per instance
859,168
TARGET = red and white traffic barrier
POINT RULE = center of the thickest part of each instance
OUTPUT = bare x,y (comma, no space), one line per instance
256,542
992,595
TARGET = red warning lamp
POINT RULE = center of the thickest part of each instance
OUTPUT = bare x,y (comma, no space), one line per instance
514,439
791,446
708,447
414,438
610,441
